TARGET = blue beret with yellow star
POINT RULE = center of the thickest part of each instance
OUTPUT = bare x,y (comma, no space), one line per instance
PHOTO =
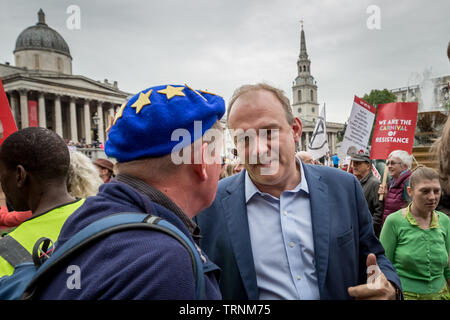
144,124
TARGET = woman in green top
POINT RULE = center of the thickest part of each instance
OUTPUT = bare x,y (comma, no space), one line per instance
417,240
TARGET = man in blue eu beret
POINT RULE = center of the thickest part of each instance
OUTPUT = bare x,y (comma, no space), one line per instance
167,141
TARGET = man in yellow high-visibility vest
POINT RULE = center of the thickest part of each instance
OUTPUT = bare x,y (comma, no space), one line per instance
34,163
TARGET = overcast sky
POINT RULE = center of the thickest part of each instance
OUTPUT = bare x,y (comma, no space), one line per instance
221,44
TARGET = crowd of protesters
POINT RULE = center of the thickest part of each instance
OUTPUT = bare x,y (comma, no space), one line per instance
83,144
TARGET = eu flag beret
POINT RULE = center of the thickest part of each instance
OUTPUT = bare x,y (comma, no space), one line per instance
144,124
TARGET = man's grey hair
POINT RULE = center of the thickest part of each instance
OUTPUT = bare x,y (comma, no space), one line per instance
279,94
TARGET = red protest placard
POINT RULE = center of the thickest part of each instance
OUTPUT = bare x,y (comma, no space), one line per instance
32,114
394,129
7,124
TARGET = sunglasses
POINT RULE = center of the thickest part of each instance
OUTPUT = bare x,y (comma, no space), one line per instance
393,163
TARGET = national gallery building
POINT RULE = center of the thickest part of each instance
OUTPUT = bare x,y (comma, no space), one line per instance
42,91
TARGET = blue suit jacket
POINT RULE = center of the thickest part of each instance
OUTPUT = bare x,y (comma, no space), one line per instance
342,231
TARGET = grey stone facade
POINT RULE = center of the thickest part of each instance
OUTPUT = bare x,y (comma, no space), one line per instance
42,91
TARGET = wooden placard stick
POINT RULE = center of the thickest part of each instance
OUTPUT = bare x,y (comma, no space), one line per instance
383,183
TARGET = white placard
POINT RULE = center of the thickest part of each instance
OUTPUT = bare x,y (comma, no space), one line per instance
358,128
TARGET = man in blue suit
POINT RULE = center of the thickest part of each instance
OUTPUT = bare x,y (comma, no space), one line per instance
281,229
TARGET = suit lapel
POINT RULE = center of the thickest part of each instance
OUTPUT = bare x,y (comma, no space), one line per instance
236,216
318,191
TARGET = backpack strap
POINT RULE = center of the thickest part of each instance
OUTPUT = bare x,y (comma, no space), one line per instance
196,256
109,225
13,252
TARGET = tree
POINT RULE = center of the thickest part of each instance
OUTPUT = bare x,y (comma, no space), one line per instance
340,134
376,97
447,106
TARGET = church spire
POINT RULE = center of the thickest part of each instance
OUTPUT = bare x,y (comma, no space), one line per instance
303,53
303,63
304,88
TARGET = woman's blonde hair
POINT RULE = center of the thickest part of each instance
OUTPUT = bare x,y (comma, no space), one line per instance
83,179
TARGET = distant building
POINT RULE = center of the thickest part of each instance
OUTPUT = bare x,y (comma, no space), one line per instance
432,94
305,103
42,91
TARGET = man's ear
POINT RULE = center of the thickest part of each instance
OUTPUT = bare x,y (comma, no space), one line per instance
297,127
21,176
200,168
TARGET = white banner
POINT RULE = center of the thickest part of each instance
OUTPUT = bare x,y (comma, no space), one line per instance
318,145
376,173
358,128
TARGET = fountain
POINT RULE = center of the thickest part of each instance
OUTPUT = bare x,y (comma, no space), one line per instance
431,117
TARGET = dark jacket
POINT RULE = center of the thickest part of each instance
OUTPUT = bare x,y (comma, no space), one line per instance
342,232
444,203
137,264
370,185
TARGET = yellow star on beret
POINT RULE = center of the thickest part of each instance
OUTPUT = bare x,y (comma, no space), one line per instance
119,113
170,92
143,100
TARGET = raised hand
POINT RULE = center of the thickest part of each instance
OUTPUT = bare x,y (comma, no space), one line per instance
377,286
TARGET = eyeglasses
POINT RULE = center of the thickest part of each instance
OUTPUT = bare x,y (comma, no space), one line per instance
392,163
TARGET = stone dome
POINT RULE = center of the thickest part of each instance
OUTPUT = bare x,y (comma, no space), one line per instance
42,37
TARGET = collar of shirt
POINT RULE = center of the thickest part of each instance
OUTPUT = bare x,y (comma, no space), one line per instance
157,196
363,180
410,218
251,189
393,180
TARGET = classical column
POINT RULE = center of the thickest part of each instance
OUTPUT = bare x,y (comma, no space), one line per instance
329,140
23,108
87,121
110,114
14,107
42,115
73,120
307,139
333,139
58,116
101,128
